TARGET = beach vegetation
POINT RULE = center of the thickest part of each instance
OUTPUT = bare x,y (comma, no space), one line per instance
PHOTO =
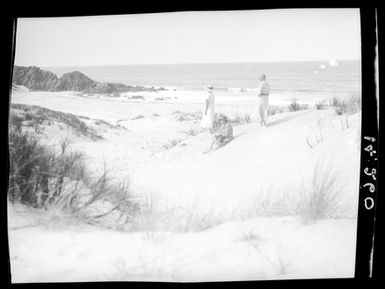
320,104
319,199
274,109
294,105
37,117
348,105
58,180
238,120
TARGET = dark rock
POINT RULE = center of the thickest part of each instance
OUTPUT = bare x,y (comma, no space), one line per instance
34,78
74,81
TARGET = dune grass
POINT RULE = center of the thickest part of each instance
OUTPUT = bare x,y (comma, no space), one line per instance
320,104
295,105
36,117
319,198
58,180
274,109
348,105
238,120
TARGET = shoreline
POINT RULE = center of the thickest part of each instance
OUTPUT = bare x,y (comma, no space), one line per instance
186,96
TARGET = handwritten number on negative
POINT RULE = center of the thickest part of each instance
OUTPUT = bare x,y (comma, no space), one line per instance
369,149
372,174
372,188
372,139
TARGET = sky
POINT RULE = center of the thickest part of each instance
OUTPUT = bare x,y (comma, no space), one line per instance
190,37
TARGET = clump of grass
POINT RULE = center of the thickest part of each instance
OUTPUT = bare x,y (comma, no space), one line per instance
294,105
247,118
340,109
349,105
238,120
335,101
274,109
58,180
320,104
319,200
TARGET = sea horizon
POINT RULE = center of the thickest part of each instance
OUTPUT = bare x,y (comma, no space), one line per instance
189,63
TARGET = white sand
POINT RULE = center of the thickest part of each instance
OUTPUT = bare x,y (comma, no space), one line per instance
228,186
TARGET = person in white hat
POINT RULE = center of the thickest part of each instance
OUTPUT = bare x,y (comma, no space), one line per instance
263,91
224,134
209,112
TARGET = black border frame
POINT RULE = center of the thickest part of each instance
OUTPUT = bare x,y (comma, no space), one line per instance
369,221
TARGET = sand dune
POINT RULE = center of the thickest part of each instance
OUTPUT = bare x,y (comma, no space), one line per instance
236,213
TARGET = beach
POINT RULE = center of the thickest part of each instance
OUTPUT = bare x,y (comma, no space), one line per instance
242,212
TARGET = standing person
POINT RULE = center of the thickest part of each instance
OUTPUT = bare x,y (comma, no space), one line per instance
209,112
263,91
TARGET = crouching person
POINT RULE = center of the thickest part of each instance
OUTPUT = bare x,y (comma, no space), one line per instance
224,134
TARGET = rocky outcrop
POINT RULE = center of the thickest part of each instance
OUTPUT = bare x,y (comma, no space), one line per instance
108,87
75,81
35,78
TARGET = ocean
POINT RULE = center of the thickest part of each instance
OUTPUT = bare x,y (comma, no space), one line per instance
232,78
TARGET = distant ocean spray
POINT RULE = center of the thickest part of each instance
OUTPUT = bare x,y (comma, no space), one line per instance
283,76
